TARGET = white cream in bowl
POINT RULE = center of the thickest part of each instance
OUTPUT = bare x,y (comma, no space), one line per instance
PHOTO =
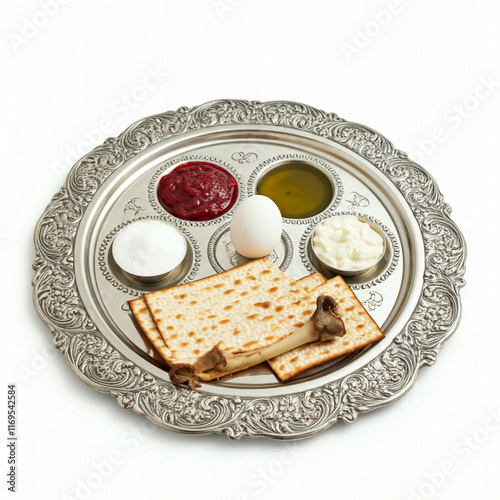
346,243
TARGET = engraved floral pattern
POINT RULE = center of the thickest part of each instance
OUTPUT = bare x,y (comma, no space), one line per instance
378,383
357,201
373,301
242,157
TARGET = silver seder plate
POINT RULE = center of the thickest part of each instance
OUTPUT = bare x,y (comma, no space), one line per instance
413,293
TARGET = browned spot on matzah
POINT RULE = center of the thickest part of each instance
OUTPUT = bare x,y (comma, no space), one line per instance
178,316
185,344
199,340
307,312
194,302
237,282
278,309
266,271
191,334
224,321
273,289
264,305
266,318
227,292
252,316
170,327
297,325
250,344
294,359
212,301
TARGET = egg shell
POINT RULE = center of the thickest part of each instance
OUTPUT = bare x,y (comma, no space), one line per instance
256,227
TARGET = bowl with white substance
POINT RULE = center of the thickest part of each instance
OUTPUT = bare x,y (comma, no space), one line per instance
147,251
348,245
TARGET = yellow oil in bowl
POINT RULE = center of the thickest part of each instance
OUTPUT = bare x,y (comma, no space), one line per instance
300,190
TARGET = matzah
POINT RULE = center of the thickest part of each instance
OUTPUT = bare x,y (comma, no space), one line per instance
145,320
360,331
237,310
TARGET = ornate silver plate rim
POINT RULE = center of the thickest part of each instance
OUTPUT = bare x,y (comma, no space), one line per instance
383,380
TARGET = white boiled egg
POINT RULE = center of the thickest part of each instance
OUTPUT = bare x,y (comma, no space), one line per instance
256,227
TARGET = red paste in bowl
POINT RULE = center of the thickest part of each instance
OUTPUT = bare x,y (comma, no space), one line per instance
197,191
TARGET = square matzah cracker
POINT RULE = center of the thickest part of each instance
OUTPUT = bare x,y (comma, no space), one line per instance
360,331
143,316
238,310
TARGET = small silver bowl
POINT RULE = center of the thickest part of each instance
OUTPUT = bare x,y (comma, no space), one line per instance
148,279
351,272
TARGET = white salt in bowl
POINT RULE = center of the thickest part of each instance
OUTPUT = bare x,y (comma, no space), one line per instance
149,250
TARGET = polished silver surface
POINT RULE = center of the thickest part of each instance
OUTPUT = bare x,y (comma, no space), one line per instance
413,293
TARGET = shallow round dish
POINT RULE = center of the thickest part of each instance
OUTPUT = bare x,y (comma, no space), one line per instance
147,251
299,189
351,272
412,294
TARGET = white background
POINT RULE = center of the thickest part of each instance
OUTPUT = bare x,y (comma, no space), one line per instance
423,73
